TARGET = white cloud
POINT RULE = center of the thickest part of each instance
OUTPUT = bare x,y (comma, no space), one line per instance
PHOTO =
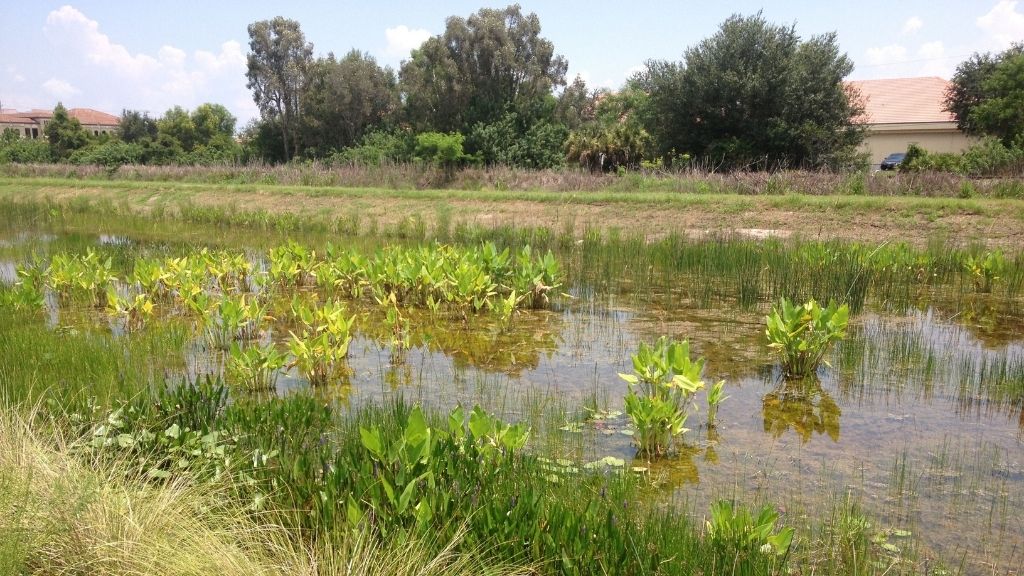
143,81
913,24
890,54
71,28
931,50
936,62
19,78
402,40
171,56
230,57
60,88
1003,24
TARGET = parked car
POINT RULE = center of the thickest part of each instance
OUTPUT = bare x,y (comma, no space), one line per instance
893,161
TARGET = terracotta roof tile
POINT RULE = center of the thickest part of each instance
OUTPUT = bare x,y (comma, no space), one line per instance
904,100
85,116
14,119
94,117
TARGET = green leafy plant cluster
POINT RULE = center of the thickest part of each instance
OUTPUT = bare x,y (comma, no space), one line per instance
256,367
753,542
661,389
801,334
86,275
320,349
986,269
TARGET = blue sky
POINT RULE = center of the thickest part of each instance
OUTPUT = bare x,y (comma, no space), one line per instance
151,55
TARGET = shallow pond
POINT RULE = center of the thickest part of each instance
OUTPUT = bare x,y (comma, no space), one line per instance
918,417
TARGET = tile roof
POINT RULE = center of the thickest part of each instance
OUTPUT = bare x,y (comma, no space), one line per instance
14,119
86,116
904,100
94,117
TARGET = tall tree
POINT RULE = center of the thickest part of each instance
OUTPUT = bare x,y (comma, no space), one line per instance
576,104
214,124
135,125
64,133
756,95
278,63
972,86
177,124
481,67
344,99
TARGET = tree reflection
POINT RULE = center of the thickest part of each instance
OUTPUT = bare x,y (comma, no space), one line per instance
803,406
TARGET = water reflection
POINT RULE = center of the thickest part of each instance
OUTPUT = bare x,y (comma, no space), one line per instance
803,406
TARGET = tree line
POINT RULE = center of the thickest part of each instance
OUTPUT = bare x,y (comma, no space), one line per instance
490,89
205,135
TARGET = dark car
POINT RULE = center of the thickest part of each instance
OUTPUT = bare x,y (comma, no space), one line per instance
892,161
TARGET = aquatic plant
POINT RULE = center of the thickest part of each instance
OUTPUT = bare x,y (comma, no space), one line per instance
986,269
662,385
715,398
748,544
323,345
89,275
230,318
802,334
134,311
256,367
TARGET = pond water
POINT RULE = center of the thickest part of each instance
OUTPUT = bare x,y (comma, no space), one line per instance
918,417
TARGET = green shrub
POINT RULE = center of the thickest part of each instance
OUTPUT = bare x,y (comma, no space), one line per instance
377,148
986,158
444,150
25,151
110,154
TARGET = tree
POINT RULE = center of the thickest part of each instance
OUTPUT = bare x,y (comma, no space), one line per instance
345,99
615,136
213,124
481,67
177,124
576,105
966,89
278,63
65,134
1001,113
755,95
135,125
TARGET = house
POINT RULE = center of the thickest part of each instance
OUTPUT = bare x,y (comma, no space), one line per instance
903,111
32,124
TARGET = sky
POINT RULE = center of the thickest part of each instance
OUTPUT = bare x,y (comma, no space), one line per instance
151,55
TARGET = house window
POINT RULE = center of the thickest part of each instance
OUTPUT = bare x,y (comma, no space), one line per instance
35,133
28,132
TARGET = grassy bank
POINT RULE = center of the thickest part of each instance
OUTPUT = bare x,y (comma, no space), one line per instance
427,177
652,214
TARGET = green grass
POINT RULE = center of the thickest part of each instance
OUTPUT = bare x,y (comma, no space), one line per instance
139,192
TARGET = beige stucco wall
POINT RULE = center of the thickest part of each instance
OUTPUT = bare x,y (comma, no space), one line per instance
883,140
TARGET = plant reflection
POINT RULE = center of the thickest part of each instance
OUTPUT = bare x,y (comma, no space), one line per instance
801,405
